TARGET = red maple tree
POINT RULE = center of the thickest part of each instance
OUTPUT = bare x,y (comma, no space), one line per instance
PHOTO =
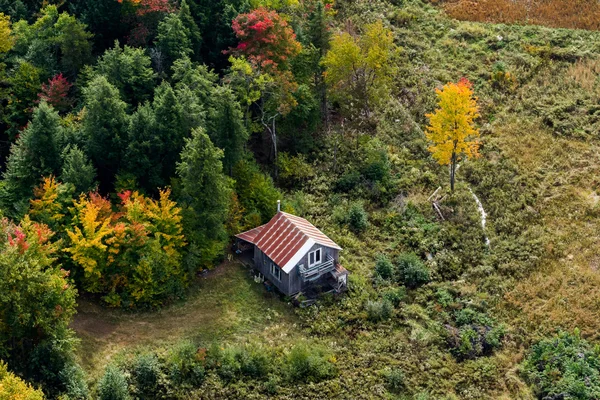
266,39
56,92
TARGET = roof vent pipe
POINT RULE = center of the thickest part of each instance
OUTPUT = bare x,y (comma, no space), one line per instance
278,205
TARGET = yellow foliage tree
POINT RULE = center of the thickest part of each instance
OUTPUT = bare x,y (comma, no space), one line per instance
134,255
451,127
13,388
359,69
6,37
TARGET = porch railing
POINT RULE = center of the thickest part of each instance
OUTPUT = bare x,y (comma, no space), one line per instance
317,271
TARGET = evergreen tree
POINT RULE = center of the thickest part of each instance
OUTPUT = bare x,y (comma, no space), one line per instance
204,195
105,128
130,70
32,157
192,30
55,42
172,40
226,127
144,151
77,169
198,78
156,136
113,385
319,36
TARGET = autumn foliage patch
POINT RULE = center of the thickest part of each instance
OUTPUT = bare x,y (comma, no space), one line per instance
573,14
266,39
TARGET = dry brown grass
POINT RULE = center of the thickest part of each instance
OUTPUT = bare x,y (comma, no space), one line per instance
565,292
573,14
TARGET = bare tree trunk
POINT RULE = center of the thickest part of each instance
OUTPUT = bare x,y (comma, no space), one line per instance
452,171
274,139
271,127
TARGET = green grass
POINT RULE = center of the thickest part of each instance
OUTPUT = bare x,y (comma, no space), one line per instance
226,305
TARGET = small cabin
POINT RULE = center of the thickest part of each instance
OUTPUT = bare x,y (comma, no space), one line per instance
295,256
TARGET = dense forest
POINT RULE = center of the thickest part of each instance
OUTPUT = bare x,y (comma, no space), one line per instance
449,147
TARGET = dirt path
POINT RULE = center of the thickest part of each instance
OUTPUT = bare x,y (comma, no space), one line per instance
225,305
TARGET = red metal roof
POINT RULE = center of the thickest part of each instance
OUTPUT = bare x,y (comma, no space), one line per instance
284,236
250,236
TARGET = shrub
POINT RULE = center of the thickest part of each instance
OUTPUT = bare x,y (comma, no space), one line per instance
379,310
146,372
11,387
271,386
113,385
395,296
358,219
412,271
234,362
254,361
306,364
348,181
395,380
76,387
384,268
565,365
185,365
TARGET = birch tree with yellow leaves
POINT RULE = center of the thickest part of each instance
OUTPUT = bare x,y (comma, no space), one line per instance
6,37
451,129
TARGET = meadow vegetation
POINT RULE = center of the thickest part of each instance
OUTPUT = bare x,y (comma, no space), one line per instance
122,191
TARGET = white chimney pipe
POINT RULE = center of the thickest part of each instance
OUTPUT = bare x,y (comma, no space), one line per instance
278,205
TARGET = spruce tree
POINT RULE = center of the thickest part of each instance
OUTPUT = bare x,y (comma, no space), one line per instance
226,127
192,30
77,169
32,157
172,40
105,125
204,195
129,69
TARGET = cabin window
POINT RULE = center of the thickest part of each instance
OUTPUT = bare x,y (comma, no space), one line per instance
314,258
276,271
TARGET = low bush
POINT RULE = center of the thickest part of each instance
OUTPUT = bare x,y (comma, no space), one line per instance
113,385
473,334
379,310
146,375
309,364
395,380
358,219
384,268
185,365
395,295
412,271
565,366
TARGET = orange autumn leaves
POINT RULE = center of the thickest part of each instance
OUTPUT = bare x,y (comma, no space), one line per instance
131,253
451,127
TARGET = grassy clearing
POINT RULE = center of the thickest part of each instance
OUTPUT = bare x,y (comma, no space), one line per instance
226,306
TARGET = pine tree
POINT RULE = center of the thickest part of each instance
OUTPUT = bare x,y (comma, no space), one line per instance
226,127
319,36
156,136
105,125
130,70
204,196
172,40
32,157
78,170
142,159
192,30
